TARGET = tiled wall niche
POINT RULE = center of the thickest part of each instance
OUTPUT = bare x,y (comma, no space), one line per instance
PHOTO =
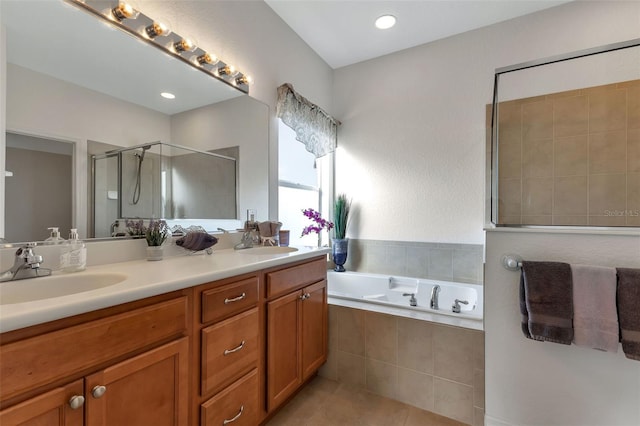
441,261
434,367
571,158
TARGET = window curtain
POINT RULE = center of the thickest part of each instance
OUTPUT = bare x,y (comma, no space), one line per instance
316,129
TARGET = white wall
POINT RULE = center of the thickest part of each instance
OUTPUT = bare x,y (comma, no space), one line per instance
3,109
413,134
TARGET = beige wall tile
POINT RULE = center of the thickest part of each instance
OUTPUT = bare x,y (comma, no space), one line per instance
415,389
478,349
478,388
633,220
607,193
608,152
607,110
537,196
566,94
570,156
453,400
510,220
633,192
537,158
415,345
537,120
633,106
351,330
509,123
570,220
510,197
537,220
570,116
351,369
329,369
478,416
570,196
381,378
453,354
509,160
607,220
418,417
633,150
381,340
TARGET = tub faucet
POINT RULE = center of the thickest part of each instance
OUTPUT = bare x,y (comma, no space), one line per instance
26,265
456,305
412,301
435,291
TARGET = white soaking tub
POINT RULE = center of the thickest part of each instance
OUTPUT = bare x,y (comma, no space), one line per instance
385,294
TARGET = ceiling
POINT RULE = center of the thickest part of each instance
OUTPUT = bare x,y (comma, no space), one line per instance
342,32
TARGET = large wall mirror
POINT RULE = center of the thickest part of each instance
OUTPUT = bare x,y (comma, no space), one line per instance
566,140
78,88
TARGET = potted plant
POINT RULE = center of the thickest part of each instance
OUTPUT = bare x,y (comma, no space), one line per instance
340,244
156,234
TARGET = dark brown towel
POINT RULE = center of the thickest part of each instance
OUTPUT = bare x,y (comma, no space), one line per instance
523,310
628,296
548,294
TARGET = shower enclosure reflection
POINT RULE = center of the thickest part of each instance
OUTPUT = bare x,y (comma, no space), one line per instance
161,180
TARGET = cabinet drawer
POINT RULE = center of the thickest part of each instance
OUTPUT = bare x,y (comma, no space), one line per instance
229,349
42,359
285,280
236,405
222,302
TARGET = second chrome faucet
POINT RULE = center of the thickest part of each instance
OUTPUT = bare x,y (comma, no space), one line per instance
435,291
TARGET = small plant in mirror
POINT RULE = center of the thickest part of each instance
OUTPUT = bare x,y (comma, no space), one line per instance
135,228
318,225
157,232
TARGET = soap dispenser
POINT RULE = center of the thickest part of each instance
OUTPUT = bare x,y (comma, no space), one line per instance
55,236
74,254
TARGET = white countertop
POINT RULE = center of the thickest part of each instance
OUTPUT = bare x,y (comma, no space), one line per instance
144,279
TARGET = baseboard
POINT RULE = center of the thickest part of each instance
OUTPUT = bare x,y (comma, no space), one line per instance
492,421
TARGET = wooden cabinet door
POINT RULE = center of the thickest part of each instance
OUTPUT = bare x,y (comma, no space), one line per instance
314,328
149,389
283,348
49,409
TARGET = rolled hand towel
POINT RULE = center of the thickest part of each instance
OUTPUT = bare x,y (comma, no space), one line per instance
549,300
629,311
595,316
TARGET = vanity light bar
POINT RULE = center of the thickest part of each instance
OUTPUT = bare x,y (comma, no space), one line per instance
128,19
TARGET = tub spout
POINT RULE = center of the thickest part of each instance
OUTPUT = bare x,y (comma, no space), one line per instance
435,291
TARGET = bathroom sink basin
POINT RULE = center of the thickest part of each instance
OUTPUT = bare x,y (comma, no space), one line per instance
268,250
33,289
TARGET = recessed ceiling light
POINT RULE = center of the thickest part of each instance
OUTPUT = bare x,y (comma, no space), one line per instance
168,95
385,22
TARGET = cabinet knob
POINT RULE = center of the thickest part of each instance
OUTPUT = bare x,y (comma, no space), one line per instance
76,401
305,296
98,391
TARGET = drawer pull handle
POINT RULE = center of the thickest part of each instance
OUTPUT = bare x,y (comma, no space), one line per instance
98,391
236,417
230,351
235,299
76,402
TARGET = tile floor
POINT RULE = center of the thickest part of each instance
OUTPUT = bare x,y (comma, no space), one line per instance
324,402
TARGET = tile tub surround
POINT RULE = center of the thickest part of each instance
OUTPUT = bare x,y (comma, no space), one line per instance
440,261
571,158
434,367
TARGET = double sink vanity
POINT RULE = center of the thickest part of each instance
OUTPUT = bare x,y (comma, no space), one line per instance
210,340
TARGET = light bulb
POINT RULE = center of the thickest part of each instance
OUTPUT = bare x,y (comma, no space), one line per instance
229,70
184,45
157,29
208,59
244,79
124,11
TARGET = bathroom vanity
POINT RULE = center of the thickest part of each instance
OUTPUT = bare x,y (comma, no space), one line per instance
194,340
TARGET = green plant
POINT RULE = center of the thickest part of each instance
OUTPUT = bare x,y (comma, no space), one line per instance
341,215
157,232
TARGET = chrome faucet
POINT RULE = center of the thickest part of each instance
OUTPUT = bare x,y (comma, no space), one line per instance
26,265
435,291
456,305
412,301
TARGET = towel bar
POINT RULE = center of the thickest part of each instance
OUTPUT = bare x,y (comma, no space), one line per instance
512,262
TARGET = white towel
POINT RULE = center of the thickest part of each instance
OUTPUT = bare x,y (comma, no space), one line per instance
595,316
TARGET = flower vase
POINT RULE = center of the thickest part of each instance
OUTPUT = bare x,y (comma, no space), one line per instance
154,253
339,248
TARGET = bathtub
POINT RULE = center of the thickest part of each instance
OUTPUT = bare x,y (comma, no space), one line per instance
384,294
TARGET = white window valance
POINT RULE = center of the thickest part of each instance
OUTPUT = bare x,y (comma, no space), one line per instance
316,129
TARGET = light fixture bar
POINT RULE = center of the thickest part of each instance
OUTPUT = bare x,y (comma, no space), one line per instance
146,29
